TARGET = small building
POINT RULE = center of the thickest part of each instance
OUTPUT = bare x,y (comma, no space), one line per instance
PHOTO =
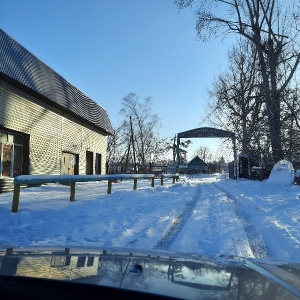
195,166
47,125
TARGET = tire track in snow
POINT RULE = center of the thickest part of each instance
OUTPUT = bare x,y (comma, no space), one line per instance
165,242
256,241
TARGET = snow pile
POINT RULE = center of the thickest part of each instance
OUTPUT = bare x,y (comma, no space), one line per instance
282,173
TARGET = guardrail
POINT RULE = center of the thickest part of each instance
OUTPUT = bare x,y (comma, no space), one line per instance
72,179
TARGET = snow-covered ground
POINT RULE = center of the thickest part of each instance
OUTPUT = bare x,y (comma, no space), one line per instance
208,215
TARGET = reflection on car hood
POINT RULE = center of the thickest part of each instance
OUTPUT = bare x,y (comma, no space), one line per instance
159,272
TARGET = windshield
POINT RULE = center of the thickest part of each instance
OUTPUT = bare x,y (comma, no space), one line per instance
151,126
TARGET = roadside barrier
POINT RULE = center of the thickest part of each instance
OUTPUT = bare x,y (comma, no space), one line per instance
72,179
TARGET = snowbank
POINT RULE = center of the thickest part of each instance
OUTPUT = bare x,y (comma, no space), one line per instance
282,173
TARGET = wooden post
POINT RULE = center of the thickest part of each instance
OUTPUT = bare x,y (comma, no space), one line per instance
161,179
135,183
109,185
9,251
16,198
72,191
174,179
152,182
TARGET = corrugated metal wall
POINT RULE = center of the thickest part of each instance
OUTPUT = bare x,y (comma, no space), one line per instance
40,267
51,131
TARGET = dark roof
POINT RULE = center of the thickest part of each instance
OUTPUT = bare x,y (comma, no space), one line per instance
197,162
20,65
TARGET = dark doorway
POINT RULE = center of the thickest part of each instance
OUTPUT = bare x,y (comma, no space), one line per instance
89,163
98,163
26,160
14,149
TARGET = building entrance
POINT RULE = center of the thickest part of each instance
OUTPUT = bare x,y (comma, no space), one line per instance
69,163
11,154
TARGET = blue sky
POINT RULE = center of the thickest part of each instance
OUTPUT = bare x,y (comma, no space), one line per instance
108,48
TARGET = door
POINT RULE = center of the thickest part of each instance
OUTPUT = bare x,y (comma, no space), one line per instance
11,154
98,164
69,163
89,163
7,160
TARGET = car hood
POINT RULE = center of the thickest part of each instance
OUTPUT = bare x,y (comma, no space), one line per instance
177,275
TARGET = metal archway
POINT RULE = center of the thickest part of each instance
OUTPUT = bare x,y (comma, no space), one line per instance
209,132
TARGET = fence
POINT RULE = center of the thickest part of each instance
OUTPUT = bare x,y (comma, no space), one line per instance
40,179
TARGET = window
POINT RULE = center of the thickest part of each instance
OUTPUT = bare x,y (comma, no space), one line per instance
81,261
90,261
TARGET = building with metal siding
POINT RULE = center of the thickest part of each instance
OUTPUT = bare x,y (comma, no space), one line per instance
47,126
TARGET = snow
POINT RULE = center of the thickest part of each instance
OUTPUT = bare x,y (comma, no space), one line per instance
210,215
282,173
39,179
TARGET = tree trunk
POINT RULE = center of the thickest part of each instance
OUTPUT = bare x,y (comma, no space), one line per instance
273,110
272,97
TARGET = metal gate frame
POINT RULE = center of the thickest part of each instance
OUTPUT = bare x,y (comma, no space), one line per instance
208,132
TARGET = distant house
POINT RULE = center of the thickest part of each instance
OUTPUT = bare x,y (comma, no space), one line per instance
196,165
47,126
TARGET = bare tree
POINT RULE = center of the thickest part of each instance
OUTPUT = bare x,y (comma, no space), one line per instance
204,153
272,26
115,151
236,101
291,124
144,130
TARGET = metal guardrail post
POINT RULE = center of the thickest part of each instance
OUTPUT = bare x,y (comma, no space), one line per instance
16,198
72,191
152,182
109,185
135,183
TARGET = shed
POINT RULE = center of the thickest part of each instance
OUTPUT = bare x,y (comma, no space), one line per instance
196,165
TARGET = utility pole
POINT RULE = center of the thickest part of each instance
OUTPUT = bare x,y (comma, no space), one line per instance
133,149
174,149
131,142
177,150
127,156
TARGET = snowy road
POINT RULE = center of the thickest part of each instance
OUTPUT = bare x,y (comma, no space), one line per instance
206,215
212,213
255,238
179,223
